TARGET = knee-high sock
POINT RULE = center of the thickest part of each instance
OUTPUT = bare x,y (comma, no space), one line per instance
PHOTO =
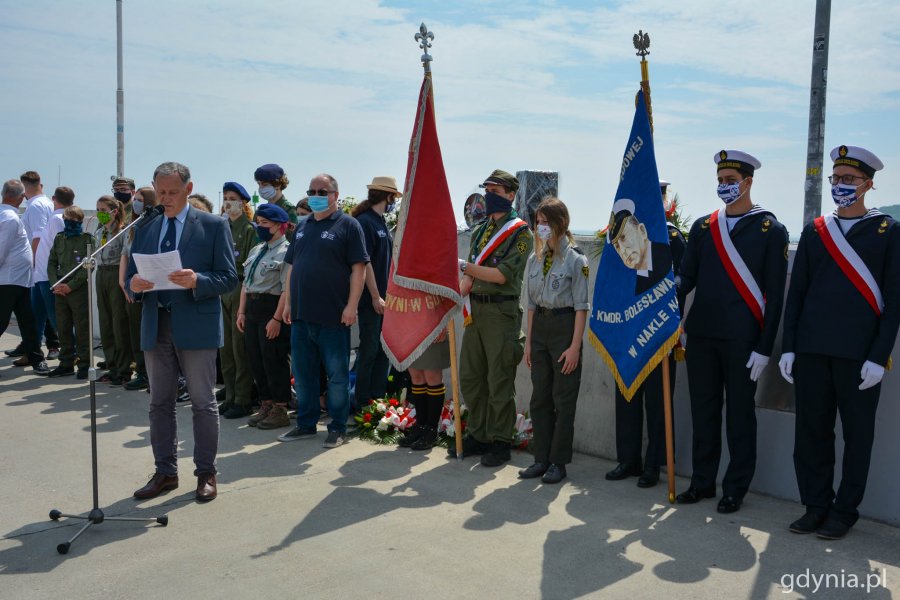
418,398
435,403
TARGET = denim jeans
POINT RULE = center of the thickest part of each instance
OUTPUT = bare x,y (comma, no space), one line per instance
311,344
43,303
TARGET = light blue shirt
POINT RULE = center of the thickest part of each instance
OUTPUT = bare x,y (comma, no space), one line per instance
179,227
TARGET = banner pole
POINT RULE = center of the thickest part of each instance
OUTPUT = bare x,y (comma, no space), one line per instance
454,384
670,443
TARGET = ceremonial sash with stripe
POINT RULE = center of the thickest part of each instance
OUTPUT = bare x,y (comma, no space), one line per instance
735,266
849,261
500,236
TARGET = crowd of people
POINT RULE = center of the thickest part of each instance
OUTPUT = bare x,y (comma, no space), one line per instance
270,295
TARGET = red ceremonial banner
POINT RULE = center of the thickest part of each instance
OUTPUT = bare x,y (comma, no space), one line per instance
423,287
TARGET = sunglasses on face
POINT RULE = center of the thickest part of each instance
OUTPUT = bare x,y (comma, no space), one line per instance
317,192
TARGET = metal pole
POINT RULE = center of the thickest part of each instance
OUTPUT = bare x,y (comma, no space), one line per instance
120,97
815,148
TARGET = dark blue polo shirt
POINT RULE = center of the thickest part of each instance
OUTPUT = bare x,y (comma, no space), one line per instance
378,246
322,255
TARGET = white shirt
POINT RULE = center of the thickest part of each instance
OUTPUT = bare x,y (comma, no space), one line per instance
37,214
54,226
15,251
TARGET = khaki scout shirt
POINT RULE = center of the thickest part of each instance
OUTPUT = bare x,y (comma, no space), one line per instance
565,283
509,257
244,235
111,254
270,275
65,255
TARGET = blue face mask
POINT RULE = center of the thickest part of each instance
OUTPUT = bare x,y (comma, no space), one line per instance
843,195
318,203
729,192
495,203
73,228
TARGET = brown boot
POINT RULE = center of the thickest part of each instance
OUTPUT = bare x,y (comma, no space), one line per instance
276,418
263,412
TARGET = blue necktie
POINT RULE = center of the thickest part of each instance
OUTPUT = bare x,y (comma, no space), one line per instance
167,245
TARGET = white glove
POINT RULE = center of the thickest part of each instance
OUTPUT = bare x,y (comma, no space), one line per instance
756,364
786,364
870,374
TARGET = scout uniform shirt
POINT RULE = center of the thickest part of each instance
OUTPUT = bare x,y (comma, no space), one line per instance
509,257
559,280
243,233
264,271
66,254
113,252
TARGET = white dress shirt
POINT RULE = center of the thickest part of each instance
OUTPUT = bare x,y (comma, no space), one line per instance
37,214
54,226
15,251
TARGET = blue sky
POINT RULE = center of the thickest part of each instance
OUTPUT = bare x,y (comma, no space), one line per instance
225,86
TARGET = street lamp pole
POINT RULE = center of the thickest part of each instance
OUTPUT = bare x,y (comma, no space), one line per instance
815,149
120,97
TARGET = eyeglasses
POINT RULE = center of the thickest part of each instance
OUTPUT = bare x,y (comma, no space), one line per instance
317,192
845,179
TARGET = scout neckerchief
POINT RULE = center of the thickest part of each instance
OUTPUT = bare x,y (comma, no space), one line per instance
849,261
487,248
548,260
735,266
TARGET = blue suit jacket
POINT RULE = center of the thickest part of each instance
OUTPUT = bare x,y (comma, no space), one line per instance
206,248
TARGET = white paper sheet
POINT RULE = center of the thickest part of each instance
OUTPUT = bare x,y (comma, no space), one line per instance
156,268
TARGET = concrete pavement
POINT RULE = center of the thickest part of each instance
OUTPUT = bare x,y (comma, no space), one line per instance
294,520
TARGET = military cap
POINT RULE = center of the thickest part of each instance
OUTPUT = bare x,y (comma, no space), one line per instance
272,212
501,177
234,186
735,159
663,184
122,181
622,209
860,158
269,172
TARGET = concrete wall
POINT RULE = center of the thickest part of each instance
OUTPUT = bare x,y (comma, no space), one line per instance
595,423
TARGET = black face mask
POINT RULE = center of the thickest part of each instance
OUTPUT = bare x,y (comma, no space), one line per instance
73,228
495,203
122,196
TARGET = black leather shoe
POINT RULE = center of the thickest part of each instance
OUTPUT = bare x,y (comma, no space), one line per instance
729,504
808,523
694,495
832,529
554,474
412,436
426,440
535,470
649,477
622,471
236,411
471,447
16,352
61,371
497,455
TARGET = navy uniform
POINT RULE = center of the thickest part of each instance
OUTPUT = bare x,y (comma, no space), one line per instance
648,398
723,332
833,338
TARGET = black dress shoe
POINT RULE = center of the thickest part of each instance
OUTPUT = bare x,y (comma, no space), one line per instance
158,484
535,470
61,371
471,447
497,455
236,411
808,523
622,471
15,352
411,436
729,504
649,477
694,495
832,529
426,440
554,474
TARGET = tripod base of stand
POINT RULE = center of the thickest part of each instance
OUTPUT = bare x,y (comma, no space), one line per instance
95,517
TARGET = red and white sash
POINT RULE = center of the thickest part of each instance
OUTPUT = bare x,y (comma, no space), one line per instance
735,266
849,261
500,236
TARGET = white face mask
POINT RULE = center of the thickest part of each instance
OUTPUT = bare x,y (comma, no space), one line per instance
233,209
544,232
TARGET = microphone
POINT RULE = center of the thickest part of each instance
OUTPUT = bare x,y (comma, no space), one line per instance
150,213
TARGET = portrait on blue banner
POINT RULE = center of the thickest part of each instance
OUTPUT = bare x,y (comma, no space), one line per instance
635,319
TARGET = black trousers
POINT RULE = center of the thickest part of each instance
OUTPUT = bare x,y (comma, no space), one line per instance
824,386
270,360
717,375
630,420
16,299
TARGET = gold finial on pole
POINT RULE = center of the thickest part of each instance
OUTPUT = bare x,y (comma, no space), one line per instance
641,42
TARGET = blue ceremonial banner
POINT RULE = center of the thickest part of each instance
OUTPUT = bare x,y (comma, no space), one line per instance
635,319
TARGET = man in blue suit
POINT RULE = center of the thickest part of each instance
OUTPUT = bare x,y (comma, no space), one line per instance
181,330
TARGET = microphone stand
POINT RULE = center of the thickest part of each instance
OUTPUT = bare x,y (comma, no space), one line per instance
96,516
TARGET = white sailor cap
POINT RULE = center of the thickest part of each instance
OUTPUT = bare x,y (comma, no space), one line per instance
735,159
663,184
854,156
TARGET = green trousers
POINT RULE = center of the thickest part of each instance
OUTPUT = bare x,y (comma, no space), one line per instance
133,310
553,395
233,354
114,333
492,347
72,315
